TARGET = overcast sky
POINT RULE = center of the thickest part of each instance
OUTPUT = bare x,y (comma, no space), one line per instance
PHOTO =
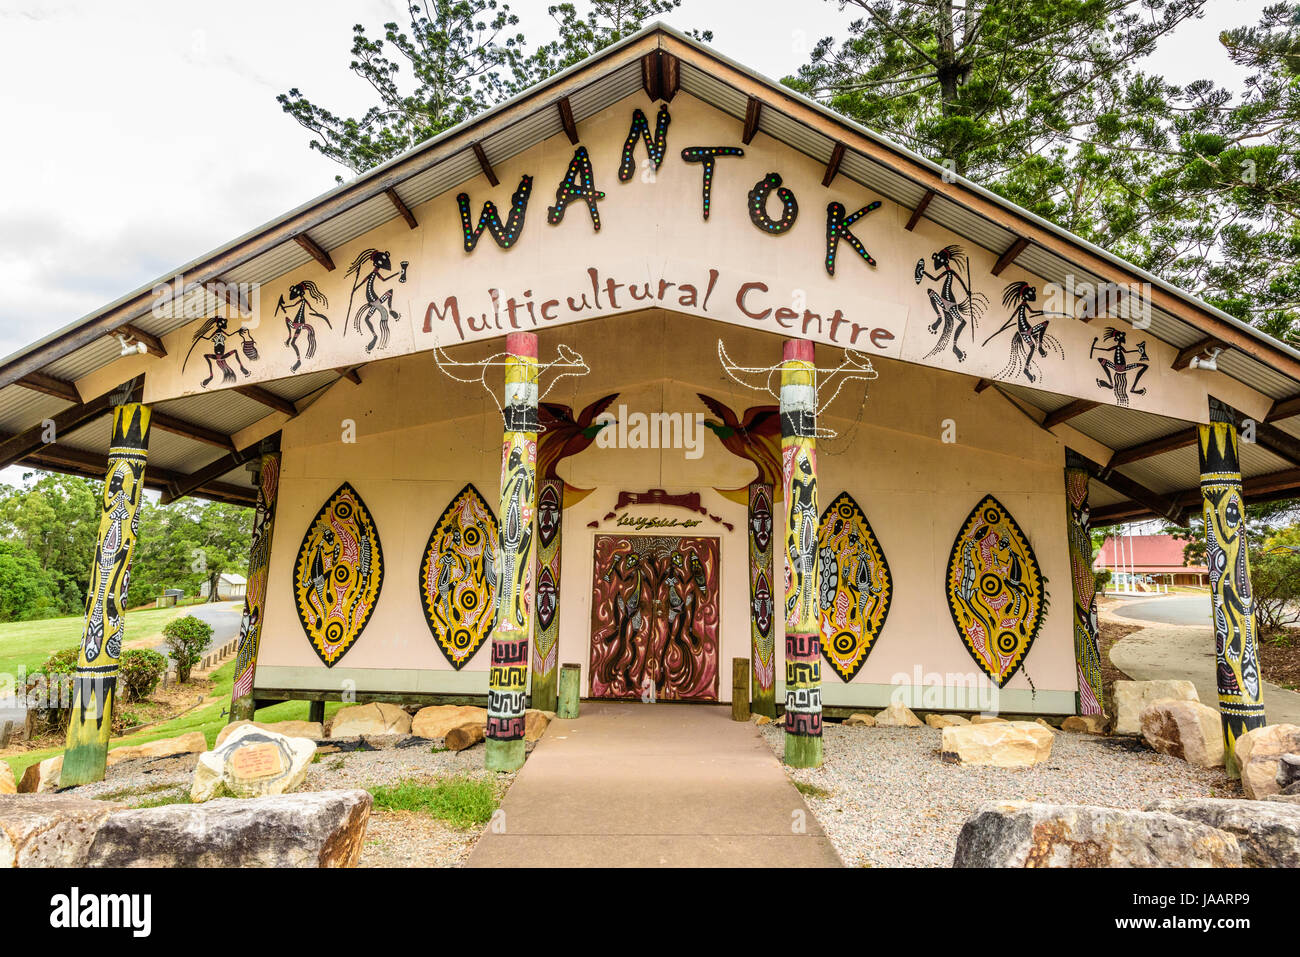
140,135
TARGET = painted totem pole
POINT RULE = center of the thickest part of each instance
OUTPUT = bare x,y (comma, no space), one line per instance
508,678
1087,654
259,566
1226,554
550,516
803,692
95,678
762,617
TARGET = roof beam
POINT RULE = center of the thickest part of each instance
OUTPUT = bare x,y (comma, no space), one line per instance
920,209
191,430
350,373
483,163
92,465
1069,411
753,110
401,207
1260,488
69,420
314,251
833,164
1145,450
660,75
1188,353
1165,507
59,388
1009,256
566,120
1284,409
267,398
982,384
183,485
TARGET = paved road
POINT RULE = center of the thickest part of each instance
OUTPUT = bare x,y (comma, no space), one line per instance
640,785
223,616
1172,610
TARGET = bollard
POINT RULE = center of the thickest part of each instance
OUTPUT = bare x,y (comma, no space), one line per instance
316,711
570,689
739,689
5,732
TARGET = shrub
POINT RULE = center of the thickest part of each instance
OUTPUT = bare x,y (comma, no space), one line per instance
139,673
186,639
49,690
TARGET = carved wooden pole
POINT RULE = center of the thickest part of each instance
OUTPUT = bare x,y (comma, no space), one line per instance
762,619
550,519
95,678
803,690
259,566
1241,704
1087,653
508,679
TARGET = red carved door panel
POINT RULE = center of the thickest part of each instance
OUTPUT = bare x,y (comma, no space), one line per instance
654,617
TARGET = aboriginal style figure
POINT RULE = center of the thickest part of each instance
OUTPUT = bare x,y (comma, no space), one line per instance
302,295
1083,585
95,676
1116,365
952,313
1241,703
996,592
368,268
259,566
215,332
458,577
338,575
1030,340
855,586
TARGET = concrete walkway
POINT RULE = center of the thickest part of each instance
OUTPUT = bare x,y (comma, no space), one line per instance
663,785
1187,652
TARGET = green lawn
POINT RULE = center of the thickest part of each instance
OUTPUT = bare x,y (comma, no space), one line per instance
209,719
29,643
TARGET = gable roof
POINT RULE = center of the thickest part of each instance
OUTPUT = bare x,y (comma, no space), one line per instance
37,382
1144,553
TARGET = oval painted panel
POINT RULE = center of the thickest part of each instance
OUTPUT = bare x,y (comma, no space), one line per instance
338,574
855,586
458,577
996,591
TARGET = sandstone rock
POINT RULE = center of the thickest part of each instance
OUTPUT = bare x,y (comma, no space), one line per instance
311,829
1130,697
535,723
1184,729
466,736
49,830
1005,744
936,720
292,729
1258,753
192,743
252,763
1268,833
42,777
7,783
987,719
1025,834
1284,798
376,718
1085,724
860,721
762,719
1044,723
897,715
436,720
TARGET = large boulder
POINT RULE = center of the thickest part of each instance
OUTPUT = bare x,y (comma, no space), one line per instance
293,729
1259,753
860,720
436,720
49,830
252,763
535,723
897,715
1003,744
1184,729
192,743
1085,724
1268,833
1130,697
42,776
378,718
7,783
312,829
1026,834
1284,798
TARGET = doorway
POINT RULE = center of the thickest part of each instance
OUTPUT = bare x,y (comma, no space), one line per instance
654,618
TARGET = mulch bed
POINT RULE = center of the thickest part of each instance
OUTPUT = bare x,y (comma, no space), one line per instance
1279,659
1111,632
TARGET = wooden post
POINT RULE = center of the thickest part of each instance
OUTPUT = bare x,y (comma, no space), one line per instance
95,677
5,733
259,567
1087,653
508,678
739,689
546,641
316,711
570,691
762,606
803,685
1241,702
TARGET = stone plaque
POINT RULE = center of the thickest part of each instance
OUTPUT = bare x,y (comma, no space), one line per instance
253,762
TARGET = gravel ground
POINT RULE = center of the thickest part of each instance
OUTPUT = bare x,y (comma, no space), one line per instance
892,803
393,838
